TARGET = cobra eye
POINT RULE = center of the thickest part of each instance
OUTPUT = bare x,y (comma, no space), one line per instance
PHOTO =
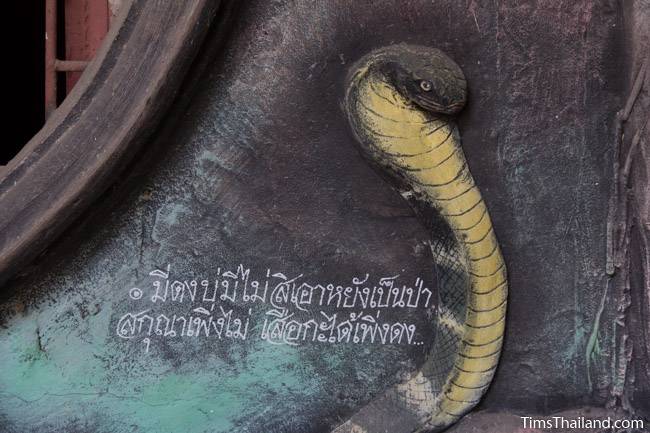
425,85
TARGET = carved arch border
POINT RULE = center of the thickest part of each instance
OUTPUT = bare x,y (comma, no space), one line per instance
87,142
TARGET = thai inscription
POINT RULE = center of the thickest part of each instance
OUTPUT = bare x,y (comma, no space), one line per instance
237,304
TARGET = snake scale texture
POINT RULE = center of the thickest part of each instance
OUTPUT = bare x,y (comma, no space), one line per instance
400,101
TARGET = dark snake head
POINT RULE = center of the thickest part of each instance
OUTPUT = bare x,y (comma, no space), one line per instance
422,75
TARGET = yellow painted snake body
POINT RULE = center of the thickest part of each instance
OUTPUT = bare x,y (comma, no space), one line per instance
400,101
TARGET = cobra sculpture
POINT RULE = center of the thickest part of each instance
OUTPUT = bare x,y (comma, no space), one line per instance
400,102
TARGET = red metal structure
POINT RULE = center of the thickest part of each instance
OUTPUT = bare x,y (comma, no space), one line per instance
85,25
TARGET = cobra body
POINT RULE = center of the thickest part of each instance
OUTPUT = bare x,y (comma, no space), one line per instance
400,101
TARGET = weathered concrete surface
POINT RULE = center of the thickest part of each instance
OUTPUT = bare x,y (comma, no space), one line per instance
633,283
492,422
261,169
